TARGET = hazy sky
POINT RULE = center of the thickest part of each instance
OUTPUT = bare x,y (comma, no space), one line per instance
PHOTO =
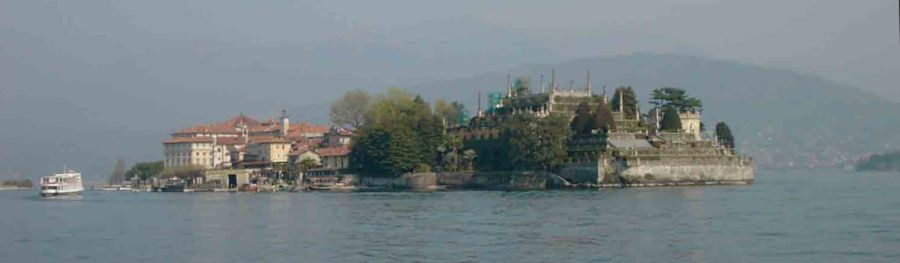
114,77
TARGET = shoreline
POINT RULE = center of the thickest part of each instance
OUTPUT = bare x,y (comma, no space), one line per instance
15,188
445,188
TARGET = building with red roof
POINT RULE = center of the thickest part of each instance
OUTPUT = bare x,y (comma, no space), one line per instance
242,141
335,157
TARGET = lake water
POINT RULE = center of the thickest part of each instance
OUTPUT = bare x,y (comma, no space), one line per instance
821,216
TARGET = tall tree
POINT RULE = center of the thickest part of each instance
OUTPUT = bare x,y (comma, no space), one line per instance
675,98
536,143
383,152
625,96
429,133
463,116
349,111
118,175
144,171
522,86
581,124
670,120
723,133
452,112
603,118
401,134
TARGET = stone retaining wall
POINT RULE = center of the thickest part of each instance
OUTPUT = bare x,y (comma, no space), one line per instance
405,181
660,173
468,180
681,174
592,174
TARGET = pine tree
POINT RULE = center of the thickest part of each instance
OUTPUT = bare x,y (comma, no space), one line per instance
676,98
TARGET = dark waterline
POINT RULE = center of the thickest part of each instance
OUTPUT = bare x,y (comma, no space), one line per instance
821,216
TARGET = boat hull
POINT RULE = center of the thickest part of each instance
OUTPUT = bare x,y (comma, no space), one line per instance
50,194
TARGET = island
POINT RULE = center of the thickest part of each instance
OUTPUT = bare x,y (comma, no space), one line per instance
16,184
886,162
519,138
546,138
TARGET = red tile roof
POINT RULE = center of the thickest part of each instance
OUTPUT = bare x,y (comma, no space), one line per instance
334,151
265,127
241,119
297,132
301,150
268,139
189,140
306,127
230,126
209,128
230,141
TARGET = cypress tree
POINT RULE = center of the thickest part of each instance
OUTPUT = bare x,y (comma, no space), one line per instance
118,175
581,124
603,119
670,120
616,98
625,95
630,103
522,86
723,133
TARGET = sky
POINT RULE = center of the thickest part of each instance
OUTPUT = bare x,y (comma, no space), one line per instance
87,82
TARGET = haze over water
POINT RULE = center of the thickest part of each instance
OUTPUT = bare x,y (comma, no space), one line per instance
821,216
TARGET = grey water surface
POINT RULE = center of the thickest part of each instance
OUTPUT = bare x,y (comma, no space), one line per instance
786,216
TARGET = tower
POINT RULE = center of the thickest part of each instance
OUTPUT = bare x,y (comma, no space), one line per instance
551,100
480,113
553,81
588,89
542,83
605,98
285,123
622,101
509,91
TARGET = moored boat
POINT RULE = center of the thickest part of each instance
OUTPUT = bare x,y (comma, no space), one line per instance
65,183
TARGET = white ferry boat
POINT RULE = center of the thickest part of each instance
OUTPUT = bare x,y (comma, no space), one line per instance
65,183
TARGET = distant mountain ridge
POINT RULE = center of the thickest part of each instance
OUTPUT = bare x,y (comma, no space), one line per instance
782,118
